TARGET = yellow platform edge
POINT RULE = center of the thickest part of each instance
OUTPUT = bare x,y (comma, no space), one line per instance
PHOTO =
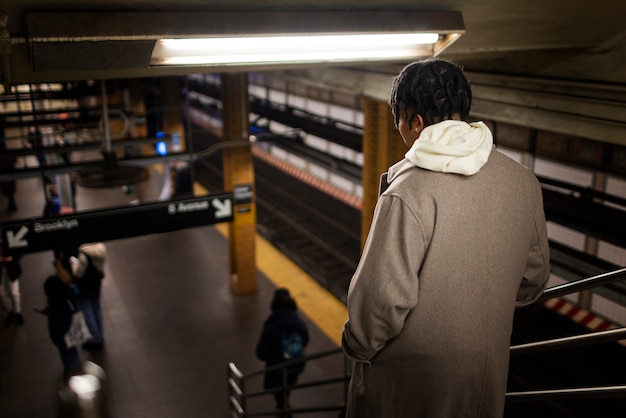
326,311
318,304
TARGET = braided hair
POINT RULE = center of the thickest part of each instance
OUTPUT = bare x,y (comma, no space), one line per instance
434,88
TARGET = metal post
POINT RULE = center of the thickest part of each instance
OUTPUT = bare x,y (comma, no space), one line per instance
35,123
105,118
189,137
285,391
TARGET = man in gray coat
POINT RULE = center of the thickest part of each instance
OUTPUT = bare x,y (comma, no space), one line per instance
458,240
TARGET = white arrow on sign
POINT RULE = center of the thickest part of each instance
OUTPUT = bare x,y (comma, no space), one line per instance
222,209
16,239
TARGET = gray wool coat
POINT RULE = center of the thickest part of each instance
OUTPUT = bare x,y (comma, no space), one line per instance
447,259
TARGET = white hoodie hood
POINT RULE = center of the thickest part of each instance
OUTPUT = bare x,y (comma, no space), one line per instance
452,146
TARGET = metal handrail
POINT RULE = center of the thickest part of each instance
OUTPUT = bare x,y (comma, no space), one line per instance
561,394
569,342
293,362
315,383
238,395
584,284
290,412
574,341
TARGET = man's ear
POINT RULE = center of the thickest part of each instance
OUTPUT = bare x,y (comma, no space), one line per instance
419,122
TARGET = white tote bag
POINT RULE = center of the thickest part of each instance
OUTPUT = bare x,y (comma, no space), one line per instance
78,332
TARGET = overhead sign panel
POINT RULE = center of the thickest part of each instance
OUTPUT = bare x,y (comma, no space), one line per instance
72,230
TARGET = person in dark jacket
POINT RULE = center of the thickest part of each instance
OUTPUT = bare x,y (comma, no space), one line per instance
10,288
61,299
272,345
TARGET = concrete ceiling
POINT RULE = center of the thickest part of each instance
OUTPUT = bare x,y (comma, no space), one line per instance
566,39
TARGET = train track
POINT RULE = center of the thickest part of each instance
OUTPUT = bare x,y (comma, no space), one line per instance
312,237
305,224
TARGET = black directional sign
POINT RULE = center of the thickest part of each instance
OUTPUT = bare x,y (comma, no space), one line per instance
69,231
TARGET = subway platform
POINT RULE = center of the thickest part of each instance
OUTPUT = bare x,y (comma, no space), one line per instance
171,321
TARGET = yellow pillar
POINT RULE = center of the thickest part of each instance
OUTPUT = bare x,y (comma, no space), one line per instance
382,147
239,174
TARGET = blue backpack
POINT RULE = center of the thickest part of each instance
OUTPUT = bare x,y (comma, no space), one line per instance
292,344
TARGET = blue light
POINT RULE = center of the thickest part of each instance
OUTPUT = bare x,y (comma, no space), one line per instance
161,148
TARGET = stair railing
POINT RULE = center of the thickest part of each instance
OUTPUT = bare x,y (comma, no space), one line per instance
239,396
615,334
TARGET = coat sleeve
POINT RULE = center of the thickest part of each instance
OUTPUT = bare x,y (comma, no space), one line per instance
384,288
537,271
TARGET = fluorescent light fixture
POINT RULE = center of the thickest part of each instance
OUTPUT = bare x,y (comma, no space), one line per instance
236,39
293,49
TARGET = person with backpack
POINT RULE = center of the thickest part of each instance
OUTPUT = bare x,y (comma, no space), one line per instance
284,337
88,270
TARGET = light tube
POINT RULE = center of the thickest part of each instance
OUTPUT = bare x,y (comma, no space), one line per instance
292,49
